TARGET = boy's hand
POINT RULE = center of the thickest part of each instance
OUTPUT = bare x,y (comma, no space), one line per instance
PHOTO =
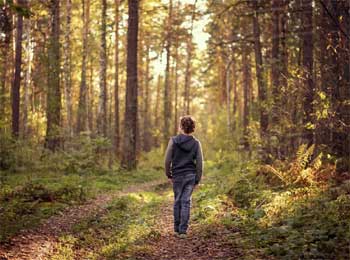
170,180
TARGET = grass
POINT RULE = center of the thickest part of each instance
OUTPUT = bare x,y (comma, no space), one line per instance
28,196
120,232
273,219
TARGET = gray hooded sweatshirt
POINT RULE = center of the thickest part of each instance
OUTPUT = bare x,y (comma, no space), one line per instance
184,156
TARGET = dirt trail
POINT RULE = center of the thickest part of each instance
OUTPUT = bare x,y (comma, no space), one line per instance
39,243
199,244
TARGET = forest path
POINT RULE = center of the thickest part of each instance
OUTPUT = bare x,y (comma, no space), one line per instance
39,243
202,242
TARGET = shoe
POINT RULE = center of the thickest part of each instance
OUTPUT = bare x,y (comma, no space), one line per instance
181,235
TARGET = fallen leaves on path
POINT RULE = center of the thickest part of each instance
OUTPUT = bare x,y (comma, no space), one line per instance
199,244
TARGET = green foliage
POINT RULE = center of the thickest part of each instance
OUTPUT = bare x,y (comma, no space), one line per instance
243,193
31,192
306,219
37,184
82,155
24,206
85,155
17,155
152,160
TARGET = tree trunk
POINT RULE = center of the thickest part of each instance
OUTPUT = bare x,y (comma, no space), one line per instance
67,67
338,75
176,90
275,62
188,75
27,82
246,90
322,133
54,92
5,50
15,91
146,119
157,112
102,102
262,88
307,63
284,50
285,94
82,106
130,118
345,92
235,96
116,82
91,99
228,96
167,102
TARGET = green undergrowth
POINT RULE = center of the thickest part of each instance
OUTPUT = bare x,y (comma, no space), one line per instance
302,219
36,185
120,232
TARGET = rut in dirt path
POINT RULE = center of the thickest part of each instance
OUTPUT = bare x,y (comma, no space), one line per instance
199,244
39,243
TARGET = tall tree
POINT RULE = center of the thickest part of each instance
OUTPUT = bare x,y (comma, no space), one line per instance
262,88
235,95
146,117
102,102
90,98
157,110
228,94
67,66
28,75
6,28
53,106
247,84
167,101
15,90
130,118
82,106
307,63
176,83
116,81
275,60
188,74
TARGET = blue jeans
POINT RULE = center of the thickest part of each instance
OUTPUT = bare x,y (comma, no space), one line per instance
183,188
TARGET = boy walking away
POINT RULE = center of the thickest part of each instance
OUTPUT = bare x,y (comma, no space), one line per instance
183,167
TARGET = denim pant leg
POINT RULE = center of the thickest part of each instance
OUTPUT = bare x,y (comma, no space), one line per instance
186,202
177,187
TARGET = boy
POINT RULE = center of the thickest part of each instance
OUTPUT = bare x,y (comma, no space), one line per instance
183,166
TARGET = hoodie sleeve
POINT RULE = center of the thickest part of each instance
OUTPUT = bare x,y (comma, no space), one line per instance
199,163
167,159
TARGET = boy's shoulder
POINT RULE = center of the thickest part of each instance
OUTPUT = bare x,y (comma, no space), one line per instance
196,139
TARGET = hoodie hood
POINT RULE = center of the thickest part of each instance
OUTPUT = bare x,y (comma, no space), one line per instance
185,142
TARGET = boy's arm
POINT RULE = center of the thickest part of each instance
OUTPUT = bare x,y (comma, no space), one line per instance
199,164
167,160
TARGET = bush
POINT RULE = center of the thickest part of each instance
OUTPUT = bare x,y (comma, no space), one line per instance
31,192
243,193
25,205
17,155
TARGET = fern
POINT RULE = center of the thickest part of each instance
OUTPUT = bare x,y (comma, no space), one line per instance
317,162
269,168
302,170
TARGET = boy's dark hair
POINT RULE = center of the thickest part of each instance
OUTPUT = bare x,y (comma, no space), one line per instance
187,124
